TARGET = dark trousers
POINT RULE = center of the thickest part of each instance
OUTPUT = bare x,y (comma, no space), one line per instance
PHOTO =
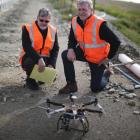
98,82
28,64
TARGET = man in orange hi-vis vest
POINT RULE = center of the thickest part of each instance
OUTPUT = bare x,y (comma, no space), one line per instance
91,41
40,46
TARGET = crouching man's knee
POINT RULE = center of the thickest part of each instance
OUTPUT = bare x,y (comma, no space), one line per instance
64,54
97,87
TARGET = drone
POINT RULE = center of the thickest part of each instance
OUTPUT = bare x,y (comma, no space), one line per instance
72,112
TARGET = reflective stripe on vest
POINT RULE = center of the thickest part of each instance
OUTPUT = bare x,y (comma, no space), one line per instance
94,45
53,32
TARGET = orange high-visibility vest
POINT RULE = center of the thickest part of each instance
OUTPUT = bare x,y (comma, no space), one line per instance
37,40
95,49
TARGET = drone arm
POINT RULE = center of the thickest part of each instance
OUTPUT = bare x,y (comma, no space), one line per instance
93,111
56,111
95,101
49,102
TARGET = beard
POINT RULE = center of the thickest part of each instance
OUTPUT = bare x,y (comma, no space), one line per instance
43,27
83,18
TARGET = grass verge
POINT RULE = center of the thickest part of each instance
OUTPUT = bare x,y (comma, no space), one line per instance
128,20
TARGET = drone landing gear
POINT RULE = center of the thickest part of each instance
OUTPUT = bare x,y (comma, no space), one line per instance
68,120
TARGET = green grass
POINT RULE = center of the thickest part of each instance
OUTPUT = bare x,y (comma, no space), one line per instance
128,21
65,7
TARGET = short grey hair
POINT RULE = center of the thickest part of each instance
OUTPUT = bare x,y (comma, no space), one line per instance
44,12
90,3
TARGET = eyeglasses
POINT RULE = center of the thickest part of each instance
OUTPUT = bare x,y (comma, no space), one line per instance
46,21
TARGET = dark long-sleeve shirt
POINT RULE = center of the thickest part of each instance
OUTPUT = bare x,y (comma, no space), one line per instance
29,50
105,33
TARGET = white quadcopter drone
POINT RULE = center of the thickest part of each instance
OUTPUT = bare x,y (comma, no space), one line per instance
73,112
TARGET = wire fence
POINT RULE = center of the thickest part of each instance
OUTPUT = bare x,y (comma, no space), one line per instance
6,4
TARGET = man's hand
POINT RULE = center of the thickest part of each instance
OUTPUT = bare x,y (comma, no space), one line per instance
104,62
50,66
41,65
108,69
71,55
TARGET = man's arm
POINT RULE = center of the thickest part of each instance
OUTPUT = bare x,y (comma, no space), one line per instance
109,36
26,43
71,40
54,52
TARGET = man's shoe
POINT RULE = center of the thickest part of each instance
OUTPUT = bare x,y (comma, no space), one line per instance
32,84
68,88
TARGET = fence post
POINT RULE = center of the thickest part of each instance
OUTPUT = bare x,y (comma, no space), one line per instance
6,4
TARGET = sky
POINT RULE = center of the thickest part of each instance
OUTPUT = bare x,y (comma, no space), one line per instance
135,1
